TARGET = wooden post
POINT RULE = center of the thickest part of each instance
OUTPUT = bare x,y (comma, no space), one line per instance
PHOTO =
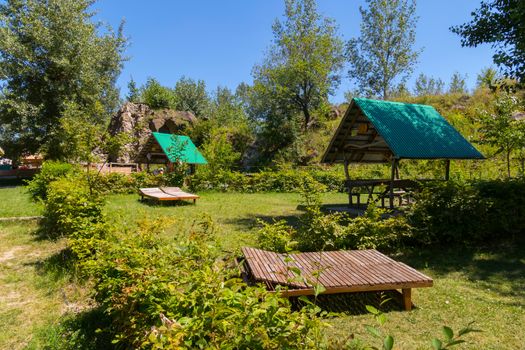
347,176
407,299
447,169
392,177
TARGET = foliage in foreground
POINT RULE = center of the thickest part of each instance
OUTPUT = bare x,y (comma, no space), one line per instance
160,294
182,295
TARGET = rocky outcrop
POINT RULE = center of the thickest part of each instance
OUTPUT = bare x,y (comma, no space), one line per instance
138,121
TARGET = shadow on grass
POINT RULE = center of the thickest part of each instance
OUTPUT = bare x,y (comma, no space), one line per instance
57,266
158,204
354,303
249,222
500,268
80,331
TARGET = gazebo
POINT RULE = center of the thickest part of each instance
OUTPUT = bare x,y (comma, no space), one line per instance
373,131
162,148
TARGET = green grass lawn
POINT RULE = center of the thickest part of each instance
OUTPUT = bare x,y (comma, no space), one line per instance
15,202
486,286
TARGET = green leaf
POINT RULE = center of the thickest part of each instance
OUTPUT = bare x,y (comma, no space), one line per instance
388,343
374,331
372,309
448,332
319,289
437,344
381,319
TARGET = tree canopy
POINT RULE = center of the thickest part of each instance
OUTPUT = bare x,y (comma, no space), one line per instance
500,24
383,53
53,57
302,66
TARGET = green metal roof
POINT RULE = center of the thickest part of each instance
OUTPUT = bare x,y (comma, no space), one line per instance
416,131
179,148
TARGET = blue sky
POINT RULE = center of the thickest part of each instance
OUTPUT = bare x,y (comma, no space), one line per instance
220,41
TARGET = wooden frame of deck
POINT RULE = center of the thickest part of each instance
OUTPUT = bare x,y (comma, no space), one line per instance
337,271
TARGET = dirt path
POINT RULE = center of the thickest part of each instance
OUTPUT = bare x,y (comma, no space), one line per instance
31,299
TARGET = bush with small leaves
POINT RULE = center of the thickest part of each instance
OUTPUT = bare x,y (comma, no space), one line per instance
50,172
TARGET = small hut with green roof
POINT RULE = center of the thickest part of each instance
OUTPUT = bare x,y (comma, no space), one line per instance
162,148
373,131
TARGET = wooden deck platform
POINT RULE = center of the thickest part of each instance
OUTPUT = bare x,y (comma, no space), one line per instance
337,271
167,194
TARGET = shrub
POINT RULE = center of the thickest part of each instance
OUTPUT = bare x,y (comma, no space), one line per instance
50,172
319,231
375,230
70,207
276,236
475,212
114,183
182,295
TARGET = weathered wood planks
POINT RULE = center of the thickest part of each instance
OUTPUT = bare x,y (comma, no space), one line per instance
337,271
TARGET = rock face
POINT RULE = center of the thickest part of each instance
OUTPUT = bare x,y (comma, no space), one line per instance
138,121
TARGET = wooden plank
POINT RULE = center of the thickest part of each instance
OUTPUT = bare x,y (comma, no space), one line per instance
341,271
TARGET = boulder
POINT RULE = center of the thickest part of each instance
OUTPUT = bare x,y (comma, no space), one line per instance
138,120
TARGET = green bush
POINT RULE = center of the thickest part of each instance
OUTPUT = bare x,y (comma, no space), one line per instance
70,207
50,172
181,294
318,231
375,230
283,180
114,183
468,212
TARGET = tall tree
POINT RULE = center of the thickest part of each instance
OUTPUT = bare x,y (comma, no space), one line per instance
384,53
191,95
458,84
53,57
302,66
133,92
499,23
428,86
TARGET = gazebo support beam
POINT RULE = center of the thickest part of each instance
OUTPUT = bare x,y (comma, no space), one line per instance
447,169
392,178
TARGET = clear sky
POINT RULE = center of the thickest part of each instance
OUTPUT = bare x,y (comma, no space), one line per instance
220,41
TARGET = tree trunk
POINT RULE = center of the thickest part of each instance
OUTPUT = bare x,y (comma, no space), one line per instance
307,118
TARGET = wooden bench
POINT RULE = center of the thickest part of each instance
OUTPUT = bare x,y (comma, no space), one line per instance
167,194
337,271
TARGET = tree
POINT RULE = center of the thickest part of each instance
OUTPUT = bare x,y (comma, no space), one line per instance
487,78
302,66
501,130
499,23
52,56
191,95
458,84
383,53
425,86
133,92
157,96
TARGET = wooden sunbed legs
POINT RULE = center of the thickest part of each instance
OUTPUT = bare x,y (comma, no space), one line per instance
407,299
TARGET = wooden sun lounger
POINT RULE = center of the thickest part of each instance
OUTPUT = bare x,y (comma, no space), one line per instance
339,272
167,194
